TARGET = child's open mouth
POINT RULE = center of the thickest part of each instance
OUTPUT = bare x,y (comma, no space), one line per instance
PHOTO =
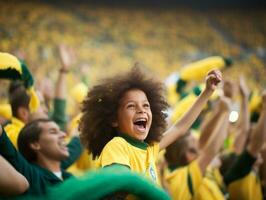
141,124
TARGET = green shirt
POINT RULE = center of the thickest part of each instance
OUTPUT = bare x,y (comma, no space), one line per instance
59,113
38,177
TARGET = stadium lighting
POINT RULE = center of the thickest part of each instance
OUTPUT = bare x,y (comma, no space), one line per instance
233,117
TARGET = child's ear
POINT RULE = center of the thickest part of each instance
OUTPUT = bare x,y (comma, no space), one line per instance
35,146
114,124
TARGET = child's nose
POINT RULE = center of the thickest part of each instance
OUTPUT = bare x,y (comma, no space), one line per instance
140,109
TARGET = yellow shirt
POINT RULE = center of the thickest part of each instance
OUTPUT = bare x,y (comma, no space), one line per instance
5,110
13,129
246,188
139,157
85,161
187,183
82,165
215,175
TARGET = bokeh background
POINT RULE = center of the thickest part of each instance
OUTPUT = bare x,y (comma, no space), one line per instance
110,36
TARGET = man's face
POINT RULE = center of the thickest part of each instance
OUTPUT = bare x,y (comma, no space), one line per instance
51,142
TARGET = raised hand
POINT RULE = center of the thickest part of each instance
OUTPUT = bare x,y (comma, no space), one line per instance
213,78
67,57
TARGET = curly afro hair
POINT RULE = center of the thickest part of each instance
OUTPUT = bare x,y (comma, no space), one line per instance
100,108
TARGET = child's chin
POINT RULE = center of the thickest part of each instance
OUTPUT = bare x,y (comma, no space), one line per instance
142,136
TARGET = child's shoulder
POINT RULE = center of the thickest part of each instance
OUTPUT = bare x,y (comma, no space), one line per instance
116,144
117,140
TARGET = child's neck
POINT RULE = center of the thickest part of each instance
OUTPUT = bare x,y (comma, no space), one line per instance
133,141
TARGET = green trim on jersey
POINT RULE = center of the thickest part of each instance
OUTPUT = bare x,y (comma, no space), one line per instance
134,142
190,184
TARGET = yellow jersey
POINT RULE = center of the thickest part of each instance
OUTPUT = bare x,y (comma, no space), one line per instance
246,188
13,129
188,183
138,156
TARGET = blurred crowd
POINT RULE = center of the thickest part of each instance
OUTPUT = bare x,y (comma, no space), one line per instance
108,38
45,102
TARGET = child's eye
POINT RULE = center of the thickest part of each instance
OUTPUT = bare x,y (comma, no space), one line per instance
130,106
146,105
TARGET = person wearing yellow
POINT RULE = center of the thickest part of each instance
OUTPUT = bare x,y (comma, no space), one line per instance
186,176
23,99
123,121
246,188
136,151
242,179
25,104
21,113
5,113
19,101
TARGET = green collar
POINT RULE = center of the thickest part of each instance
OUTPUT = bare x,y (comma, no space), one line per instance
133,141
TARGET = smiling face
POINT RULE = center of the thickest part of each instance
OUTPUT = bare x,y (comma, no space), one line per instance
51,143
134,115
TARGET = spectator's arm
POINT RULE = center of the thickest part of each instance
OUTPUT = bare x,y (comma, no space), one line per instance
11,181
182,126
245,161
207,126
258,134
217,136
9,152
244,125
66,60
59,113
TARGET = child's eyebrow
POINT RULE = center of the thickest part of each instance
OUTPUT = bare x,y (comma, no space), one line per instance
133,101
128,102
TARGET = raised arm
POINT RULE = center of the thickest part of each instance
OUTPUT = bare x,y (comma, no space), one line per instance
208,125
11,181
59,113
66,59
258,134
245,161
29,171
182,126
244,124
217,136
